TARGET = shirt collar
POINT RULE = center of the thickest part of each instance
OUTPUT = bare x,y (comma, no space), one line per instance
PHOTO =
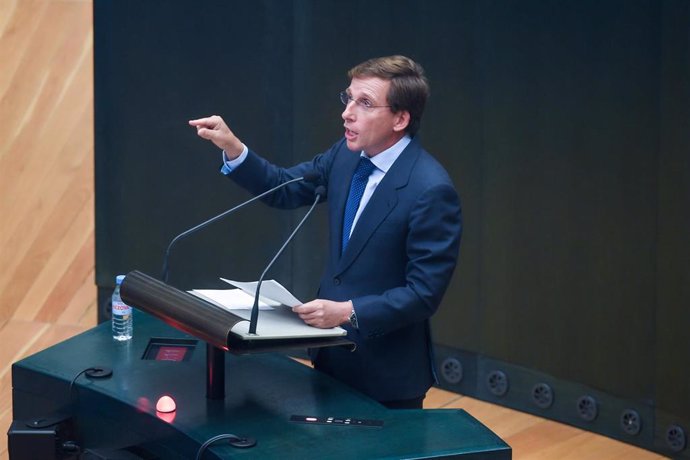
385,159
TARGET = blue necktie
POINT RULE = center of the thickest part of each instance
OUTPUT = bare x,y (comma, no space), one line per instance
357,186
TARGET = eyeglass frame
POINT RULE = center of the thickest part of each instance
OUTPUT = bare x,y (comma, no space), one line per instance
346,99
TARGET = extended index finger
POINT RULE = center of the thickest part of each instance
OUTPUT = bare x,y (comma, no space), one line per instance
206,122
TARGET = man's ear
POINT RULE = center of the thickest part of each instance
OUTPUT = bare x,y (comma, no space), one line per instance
402,120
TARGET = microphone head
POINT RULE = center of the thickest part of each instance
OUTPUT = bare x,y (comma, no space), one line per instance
311,176
320,191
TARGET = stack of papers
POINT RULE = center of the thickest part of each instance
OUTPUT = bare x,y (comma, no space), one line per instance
276,320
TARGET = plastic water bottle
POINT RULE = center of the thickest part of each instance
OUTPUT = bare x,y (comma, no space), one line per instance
122,314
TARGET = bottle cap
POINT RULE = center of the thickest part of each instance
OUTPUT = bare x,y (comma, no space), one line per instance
119,279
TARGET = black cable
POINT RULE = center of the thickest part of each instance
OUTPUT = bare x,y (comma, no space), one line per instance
70,447
75,379
93,373
233,437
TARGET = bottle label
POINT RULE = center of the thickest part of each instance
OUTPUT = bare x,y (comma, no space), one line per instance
121,309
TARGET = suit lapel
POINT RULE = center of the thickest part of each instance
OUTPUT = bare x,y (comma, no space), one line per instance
381,204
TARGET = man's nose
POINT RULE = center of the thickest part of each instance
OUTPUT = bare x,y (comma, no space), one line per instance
348,113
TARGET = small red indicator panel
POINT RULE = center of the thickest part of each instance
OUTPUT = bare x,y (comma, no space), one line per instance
171,353
169,349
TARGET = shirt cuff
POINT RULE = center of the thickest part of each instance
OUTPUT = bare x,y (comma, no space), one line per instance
230,165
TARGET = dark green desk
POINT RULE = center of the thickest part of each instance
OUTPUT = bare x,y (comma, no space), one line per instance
262,393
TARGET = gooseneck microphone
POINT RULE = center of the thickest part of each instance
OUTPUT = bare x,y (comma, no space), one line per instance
311,177
320,192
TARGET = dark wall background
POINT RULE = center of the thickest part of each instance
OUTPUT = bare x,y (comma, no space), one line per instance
565,126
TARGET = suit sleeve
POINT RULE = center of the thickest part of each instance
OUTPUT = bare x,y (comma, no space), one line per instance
433,241
256,175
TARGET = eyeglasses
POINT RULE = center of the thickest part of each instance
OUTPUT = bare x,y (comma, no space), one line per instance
364,104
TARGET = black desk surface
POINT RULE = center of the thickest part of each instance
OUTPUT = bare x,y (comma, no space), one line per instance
262,392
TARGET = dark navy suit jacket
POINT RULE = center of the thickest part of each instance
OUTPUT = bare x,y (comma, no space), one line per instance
396,267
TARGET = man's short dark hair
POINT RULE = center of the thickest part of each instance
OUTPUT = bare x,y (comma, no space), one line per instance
409,88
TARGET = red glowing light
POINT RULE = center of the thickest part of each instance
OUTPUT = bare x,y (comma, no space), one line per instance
166,404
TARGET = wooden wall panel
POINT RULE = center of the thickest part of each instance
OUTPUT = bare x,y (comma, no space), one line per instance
46,156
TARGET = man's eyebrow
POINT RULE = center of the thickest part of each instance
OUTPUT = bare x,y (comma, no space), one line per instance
365,94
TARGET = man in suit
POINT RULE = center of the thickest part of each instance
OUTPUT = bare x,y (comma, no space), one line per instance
395,226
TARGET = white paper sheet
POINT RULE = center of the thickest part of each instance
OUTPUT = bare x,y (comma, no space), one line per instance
271,290
232,299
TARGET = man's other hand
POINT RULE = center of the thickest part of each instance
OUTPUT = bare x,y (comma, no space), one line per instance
324,313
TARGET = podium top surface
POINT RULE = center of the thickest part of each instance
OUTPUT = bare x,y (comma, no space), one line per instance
262,391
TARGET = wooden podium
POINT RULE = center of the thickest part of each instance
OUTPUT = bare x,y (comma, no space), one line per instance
114,416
